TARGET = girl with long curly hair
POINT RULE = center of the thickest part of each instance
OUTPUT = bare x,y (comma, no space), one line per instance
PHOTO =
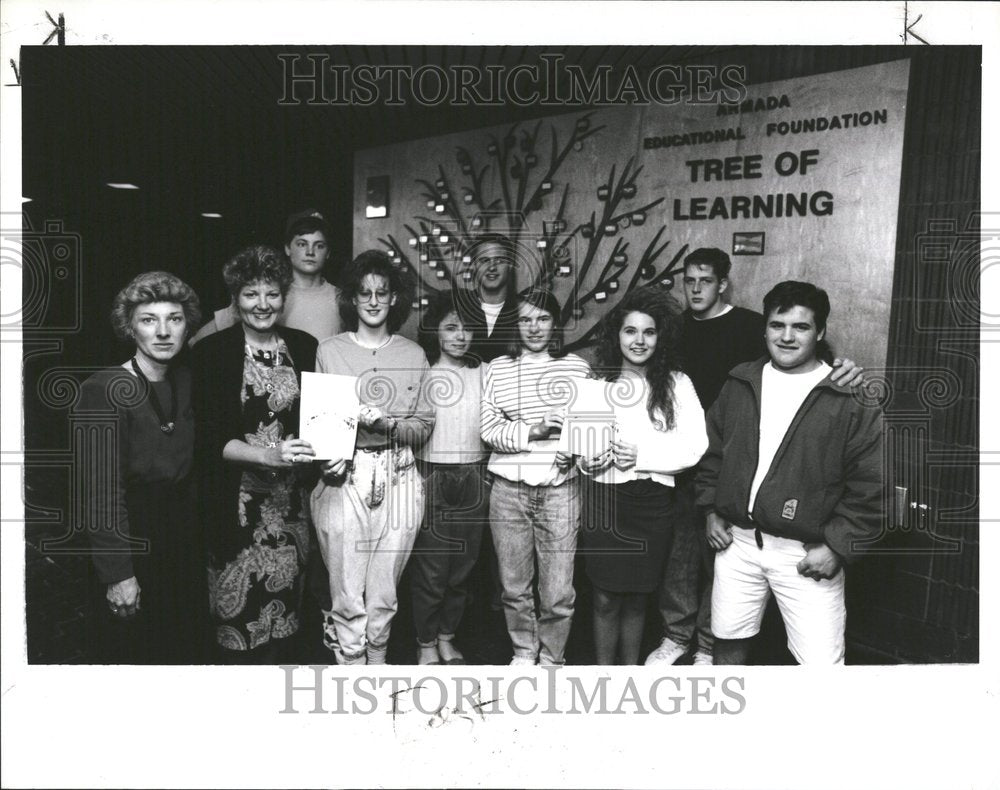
628,502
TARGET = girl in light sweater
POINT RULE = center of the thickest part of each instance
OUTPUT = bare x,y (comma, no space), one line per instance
629,496
367,508
453,466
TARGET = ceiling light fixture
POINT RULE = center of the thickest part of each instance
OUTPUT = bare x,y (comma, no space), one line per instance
117,185
211,215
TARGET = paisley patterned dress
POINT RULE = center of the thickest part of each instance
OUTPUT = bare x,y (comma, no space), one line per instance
256,596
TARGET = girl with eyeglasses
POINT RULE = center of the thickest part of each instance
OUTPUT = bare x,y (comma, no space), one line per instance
367,508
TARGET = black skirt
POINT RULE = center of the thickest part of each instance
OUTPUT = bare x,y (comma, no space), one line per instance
625,534
172,625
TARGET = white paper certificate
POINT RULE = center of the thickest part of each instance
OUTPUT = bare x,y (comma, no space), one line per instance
589,425
328,417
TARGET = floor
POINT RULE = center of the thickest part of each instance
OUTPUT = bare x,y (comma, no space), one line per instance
56,623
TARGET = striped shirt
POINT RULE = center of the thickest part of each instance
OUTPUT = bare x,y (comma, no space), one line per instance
517,393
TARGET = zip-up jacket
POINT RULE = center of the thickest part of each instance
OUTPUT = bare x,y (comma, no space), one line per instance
825,482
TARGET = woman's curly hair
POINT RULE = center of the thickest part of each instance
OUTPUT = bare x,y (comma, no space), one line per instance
150,287
440,305
666,359
400,285
257,264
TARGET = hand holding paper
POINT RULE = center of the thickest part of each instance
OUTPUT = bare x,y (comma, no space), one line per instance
328,417
589,426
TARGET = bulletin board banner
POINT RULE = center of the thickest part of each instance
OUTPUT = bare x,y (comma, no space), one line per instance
799,181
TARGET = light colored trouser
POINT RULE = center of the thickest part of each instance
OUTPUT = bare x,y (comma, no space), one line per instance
814,611
540,523
366,527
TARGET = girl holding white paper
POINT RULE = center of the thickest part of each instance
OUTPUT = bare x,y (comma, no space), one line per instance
629,498
367,508
534,503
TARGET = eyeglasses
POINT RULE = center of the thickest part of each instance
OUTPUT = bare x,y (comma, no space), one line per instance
365,296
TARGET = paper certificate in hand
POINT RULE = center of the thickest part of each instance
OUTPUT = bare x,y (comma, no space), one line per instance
589,425
328,414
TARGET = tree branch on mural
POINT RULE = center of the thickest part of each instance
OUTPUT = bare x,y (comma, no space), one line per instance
609,283
612,193
442,241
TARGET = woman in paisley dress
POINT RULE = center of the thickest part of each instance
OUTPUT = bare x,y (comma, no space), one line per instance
254,473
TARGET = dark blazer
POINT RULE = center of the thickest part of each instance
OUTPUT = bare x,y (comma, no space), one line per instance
217,369
489,346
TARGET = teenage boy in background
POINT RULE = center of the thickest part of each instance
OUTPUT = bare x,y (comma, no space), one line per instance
311,304
790,486
489,307
716,338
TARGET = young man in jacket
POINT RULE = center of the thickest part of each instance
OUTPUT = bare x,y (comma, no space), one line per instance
716,338
791,486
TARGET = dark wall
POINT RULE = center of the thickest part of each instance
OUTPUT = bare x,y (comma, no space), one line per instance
920,601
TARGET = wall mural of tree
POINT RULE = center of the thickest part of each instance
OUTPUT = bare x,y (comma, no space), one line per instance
591,253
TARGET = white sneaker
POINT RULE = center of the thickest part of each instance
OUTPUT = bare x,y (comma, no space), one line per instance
522,661
701,658
667,653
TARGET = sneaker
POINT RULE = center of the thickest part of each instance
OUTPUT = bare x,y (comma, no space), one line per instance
427,653
447,652
701,658
522,661
667,653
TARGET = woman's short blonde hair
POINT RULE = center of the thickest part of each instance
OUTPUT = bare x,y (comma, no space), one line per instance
151,287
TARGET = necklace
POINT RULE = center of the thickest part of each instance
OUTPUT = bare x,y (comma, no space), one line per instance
373,349
166,423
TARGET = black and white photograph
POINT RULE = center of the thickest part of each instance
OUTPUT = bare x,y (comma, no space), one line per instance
499,394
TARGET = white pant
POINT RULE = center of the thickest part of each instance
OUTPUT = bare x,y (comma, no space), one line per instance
813,611
366,527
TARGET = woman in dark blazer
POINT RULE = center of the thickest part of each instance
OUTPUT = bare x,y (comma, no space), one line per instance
254,474
148,591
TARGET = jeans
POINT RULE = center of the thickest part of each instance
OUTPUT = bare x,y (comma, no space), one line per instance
447,546
536,524
685,598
